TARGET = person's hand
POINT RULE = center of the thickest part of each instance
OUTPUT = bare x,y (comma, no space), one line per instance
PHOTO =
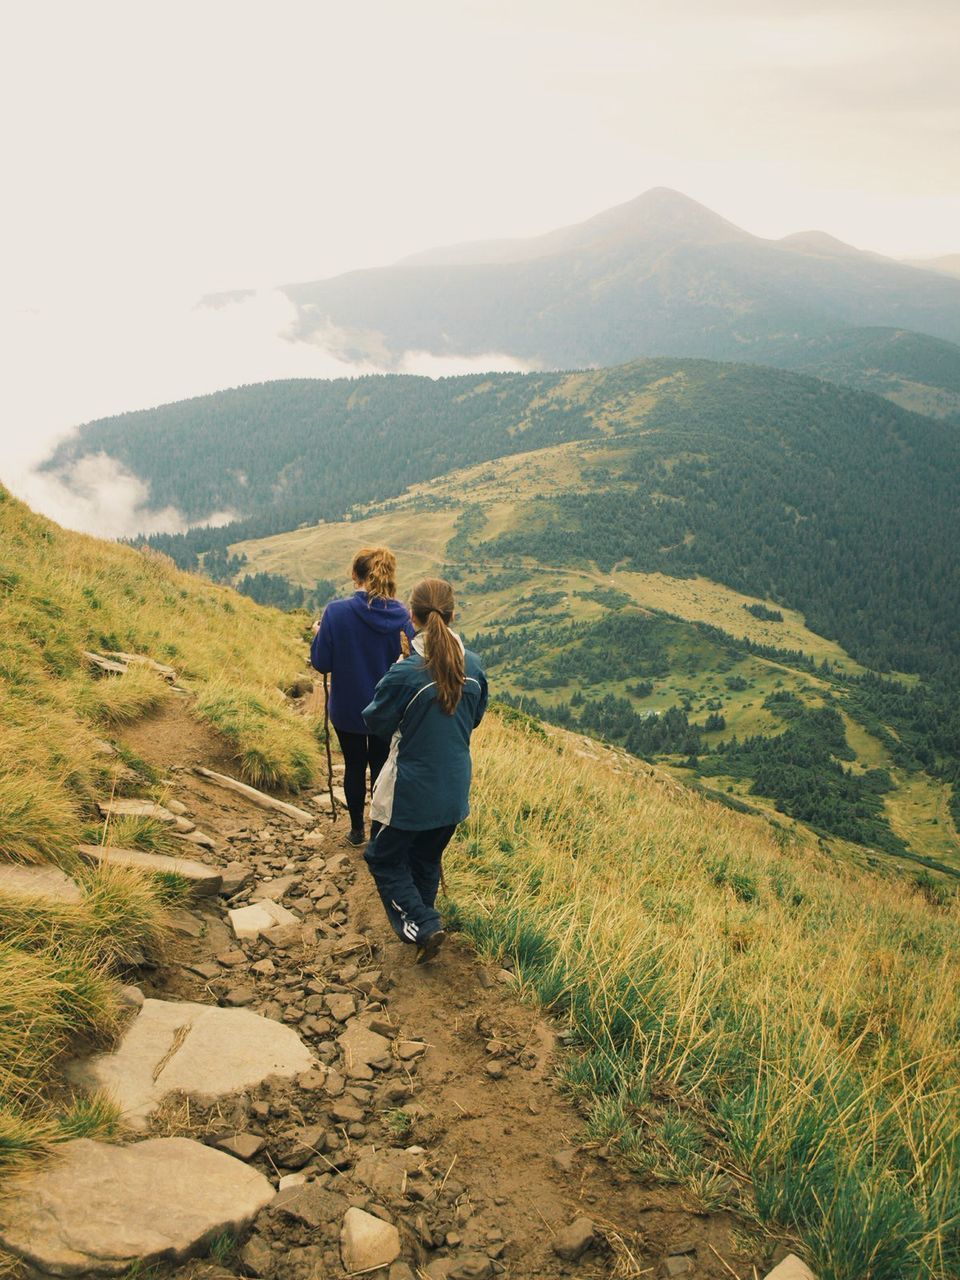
315,628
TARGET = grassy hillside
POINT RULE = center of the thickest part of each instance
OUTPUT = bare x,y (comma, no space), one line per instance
770,1029
746,1021
62,594
824,499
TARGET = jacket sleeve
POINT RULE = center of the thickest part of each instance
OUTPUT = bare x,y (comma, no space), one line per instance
484,693
390,699
321,651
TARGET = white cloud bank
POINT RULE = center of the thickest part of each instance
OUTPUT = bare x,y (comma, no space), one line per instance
133,353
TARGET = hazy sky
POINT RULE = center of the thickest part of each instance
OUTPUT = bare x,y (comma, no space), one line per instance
156,151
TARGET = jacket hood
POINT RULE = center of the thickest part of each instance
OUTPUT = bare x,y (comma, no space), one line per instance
380,615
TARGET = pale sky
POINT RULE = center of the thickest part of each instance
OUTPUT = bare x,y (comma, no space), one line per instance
153,152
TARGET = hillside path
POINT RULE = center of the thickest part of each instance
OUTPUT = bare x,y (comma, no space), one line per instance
465,1143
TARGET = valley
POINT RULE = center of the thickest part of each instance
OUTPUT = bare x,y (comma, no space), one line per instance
606,650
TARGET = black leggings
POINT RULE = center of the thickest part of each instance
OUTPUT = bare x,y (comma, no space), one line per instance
359,751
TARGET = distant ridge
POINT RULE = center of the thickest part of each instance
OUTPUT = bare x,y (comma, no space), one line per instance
948,264
657,275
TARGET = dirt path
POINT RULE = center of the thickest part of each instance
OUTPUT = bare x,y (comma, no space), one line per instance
466,1144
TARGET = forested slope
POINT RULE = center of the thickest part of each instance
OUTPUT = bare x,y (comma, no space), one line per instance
827,499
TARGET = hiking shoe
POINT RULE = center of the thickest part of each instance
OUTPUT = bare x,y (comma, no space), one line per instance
429,947
356,837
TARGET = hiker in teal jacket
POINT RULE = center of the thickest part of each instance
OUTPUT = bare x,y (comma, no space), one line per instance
428,704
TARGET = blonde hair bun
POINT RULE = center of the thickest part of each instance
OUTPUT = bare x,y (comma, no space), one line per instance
376,568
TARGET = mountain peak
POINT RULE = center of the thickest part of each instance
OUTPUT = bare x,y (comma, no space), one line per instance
664,210
658,217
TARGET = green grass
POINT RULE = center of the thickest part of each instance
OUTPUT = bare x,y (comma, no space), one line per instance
89,1116
58,985
399,1122
274,748
119,700
763,1028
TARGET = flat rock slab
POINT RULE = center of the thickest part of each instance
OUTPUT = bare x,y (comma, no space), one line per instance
196,1049
140,659
205,881
47,883
136,809
97,1209
259,917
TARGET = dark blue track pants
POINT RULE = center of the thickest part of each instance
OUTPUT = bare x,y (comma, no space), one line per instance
406,868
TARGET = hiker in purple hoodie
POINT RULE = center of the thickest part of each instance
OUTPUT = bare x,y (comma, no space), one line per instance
356,642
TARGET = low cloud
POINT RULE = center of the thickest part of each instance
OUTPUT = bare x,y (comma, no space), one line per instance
157,355
97,495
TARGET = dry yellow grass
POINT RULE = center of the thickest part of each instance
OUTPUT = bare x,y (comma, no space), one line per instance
62,594
806,1012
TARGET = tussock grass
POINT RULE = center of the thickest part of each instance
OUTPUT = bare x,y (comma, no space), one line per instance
119,700
58,986
149,834
753,1022
38,822
274,748
93,1115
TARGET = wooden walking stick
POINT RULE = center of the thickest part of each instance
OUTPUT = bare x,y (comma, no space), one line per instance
326,737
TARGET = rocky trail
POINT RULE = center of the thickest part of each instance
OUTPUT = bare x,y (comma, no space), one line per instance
301,1101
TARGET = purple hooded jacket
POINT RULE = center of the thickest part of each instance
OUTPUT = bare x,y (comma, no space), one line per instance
358,641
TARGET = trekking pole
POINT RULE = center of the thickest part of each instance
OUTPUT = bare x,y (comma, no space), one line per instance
326,738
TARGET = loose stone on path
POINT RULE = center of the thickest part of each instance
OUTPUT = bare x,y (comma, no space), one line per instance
97,1209
196,1049
367,1242
363,1049
259,917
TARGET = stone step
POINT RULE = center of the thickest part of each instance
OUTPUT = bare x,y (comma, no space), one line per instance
105,664
46,883
205,881
126,808
96,1209
791,1268
141,660
257,797
198,838
196,1049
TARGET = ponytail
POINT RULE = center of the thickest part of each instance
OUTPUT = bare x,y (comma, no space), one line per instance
431,604
376,568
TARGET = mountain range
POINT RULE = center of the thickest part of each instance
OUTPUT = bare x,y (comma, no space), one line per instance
659,275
